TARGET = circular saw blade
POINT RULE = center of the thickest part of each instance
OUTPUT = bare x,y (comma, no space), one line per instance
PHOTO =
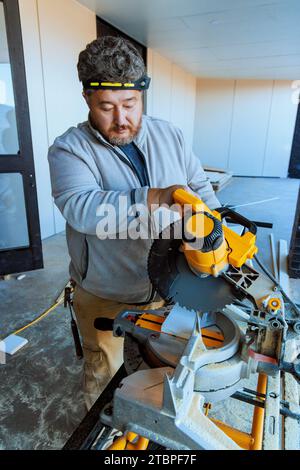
172,277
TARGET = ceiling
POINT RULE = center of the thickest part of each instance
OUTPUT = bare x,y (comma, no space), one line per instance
214,38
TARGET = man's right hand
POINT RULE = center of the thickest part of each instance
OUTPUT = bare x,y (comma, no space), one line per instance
162,196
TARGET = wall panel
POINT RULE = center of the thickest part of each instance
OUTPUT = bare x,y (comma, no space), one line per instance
250,120
245,126
281,130
172,94
213,118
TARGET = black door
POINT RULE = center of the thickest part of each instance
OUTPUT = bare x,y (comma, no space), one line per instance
106,29
294,167
20,240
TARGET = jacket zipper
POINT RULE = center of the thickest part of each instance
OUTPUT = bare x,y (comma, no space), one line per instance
153,290
144,160
124,160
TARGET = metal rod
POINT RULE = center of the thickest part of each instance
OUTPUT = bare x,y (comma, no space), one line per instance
254,392
274,257
258,415
246,399
256,202
277,284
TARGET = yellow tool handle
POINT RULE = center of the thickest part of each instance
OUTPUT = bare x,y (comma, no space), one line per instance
183,197
126,442
242,247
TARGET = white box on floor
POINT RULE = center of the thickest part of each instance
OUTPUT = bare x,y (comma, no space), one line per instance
12,344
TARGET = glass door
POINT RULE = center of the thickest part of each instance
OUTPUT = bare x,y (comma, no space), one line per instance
20,242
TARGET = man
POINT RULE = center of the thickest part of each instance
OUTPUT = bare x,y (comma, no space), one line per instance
118,154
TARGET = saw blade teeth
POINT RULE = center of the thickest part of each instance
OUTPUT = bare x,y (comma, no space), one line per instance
182,322
180,308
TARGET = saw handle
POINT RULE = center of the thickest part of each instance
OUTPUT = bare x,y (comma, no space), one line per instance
182,197
237,218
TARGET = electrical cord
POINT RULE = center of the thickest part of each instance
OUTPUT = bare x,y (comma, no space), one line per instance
59,301
39,318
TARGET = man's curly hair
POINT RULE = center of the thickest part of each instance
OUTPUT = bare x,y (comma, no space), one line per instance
110,58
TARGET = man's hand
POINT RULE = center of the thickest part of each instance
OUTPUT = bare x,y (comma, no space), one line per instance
162,196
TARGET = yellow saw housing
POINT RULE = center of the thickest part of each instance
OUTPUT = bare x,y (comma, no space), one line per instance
214,245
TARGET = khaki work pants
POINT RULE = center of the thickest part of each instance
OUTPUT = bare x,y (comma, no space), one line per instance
103,353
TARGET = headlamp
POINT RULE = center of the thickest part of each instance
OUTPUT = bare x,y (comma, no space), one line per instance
99,84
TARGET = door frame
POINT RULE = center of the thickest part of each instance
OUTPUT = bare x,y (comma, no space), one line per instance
294,164
28,258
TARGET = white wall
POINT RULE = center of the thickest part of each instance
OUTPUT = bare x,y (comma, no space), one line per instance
172,93
245,126
54,32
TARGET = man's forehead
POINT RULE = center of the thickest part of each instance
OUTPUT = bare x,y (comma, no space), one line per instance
117,96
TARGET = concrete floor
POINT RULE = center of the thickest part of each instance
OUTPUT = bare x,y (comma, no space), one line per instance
41,402
40,387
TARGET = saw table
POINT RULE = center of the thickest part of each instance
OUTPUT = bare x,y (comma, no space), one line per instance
96,430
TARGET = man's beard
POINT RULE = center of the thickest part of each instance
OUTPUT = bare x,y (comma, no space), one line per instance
133,131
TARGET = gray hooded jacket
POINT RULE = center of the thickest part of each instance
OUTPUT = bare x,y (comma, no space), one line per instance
88,172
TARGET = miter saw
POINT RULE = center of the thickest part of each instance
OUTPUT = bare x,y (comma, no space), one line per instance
222,321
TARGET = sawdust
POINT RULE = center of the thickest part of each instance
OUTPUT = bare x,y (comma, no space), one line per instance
218,365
